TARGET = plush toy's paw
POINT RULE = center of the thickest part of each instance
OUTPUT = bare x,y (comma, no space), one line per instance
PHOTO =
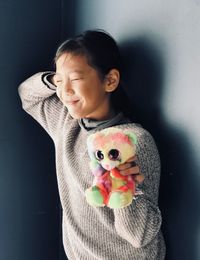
95,197
120,199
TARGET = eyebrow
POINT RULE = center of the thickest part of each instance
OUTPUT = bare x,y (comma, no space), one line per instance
73,71
77,71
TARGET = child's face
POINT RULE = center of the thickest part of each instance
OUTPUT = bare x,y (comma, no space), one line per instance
80,88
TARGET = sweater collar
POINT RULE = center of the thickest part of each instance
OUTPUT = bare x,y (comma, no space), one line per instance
91,124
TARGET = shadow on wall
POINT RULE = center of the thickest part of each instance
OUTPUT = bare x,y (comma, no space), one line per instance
144,74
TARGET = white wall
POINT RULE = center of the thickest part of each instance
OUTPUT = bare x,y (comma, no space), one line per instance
176,27
169,33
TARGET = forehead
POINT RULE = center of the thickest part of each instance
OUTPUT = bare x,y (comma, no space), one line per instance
72,62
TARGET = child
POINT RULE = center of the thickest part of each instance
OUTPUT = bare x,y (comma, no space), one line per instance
84,95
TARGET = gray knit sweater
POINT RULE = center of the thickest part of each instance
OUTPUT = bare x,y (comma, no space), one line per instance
96,233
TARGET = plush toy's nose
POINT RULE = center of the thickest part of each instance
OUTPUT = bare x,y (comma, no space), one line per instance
107,167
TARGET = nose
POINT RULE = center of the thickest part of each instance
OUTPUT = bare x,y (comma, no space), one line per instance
68,88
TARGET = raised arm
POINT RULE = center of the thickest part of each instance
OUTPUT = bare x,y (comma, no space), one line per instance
140,222
39,99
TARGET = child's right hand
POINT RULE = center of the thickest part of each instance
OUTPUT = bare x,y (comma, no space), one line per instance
131,167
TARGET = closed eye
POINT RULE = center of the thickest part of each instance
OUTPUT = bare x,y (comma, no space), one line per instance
58,82
76,79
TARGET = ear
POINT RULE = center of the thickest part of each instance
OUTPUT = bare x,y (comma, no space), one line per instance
131,136
112,80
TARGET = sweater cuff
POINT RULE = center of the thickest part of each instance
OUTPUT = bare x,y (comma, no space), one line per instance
138,223
47,82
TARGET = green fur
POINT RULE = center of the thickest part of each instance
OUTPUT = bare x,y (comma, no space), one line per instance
131,135
94,197
120,199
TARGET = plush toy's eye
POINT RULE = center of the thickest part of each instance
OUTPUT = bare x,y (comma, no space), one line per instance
99,155
114,154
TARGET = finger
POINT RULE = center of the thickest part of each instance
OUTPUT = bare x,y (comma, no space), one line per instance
133,158
132,170
139,178
124,166
128,164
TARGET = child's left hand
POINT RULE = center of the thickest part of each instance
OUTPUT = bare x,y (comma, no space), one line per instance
131,167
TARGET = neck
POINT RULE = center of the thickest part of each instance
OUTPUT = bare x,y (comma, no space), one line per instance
106,116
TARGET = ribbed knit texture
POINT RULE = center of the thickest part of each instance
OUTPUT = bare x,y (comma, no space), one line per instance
96,233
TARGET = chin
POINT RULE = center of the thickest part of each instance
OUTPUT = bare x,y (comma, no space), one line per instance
76,116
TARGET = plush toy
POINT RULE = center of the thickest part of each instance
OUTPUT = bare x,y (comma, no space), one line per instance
108,149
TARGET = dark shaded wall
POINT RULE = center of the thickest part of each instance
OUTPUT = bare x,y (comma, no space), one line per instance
160,46
29,204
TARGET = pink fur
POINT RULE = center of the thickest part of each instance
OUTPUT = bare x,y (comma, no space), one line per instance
101,140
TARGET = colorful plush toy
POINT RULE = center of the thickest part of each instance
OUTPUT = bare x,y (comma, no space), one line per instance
108,149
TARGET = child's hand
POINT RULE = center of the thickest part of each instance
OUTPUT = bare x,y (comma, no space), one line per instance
131,167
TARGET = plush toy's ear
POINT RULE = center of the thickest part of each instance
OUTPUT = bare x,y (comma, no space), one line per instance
131,136
90,139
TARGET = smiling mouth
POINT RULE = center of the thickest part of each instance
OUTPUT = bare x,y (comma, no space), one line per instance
71,102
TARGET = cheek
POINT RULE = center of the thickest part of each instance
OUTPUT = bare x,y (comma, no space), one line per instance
84,93
90,90
58,92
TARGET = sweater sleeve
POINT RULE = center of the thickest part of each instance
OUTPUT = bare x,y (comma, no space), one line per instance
140,222
39,99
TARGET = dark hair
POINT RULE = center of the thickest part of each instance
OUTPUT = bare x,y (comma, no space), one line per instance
103,55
